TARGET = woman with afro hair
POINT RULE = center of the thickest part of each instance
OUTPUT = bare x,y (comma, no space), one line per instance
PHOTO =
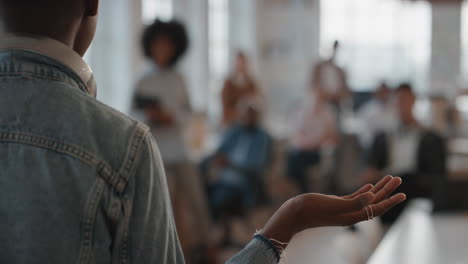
161,96
161,101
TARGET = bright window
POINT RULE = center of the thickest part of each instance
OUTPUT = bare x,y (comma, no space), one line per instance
380,40
218,46
218,37
152,9
464,45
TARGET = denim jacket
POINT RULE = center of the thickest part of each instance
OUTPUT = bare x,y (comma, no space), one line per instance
79,181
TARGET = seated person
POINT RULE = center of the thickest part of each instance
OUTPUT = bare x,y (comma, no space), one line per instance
377,115
241,159
410,151
316,128
238,167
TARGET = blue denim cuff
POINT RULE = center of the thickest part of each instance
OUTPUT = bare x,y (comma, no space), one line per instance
269,244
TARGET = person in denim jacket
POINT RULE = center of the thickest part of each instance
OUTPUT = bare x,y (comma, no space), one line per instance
81,182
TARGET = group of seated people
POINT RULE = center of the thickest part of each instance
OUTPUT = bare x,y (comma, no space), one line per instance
392,142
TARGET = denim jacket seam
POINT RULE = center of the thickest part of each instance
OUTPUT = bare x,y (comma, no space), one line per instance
50,144
106,175
104,169
88,221
126,171
137,139
125,243
69,75
41,77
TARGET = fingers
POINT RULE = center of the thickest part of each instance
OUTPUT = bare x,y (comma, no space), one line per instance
343,206
377,209
387,190
385,205
378,186
363,189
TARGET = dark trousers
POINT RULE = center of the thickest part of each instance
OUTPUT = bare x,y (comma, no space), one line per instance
228,199
299,162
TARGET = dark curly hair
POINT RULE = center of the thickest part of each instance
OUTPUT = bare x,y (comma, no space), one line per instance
174,30
405,87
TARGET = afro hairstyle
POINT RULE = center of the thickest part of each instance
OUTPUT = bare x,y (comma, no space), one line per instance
174,30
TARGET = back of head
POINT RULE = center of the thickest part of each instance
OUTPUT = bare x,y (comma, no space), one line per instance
241,55
405,101
241,63
405,88
383,92
250,110
29,3
72,22
28,15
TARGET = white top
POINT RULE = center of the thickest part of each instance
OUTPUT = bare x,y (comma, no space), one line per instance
375,117
313,126
403,150
168,87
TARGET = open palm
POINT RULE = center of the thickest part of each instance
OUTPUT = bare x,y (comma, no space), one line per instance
317,210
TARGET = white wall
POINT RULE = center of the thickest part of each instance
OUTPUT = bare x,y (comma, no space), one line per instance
287,46
446,48
115,53
242,29
195,65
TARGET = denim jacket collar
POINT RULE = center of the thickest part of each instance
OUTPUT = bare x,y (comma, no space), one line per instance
55,50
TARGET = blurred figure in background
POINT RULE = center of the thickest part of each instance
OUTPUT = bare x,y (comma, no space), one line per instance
239,166
331,79
238,86
315,129
377,115
161,95
162,102
410,151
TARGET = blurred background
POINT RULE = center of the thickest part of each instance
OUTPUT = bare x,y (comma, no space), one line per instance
255,101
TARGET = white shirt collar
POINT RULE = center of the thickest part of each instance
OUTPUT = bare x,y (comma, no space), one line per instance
55,50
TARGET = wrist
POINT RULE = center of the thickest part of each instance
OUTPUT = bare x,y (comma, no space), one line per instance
285,223
271,245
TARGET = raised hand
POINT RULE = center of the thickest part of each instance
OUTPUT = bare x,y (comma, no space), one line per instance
317,210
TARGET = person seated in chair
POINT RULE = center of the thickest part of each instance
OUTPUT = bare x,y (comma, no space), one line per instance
416,154
240,163
315,129
377,115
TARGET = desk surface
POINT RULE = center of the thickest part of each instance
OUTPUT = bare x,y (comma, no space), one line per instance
420,237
